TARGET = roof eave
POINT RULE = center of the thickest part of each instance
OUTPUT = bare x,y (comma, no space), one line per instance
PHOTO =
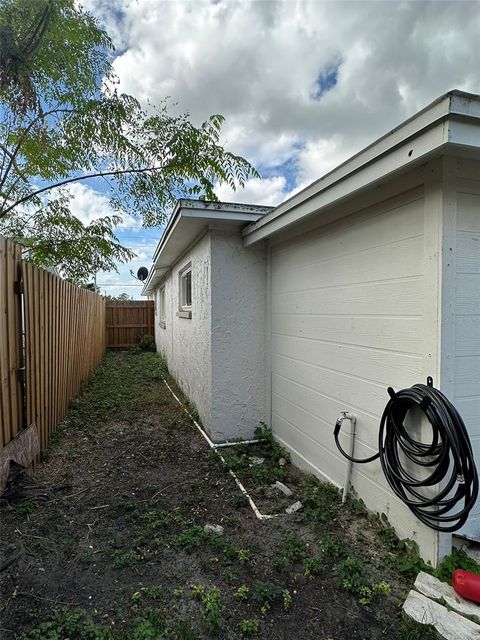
446,122
193,217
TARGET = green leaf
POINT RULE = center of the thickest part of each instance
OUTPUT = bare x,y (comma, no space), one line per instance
63,120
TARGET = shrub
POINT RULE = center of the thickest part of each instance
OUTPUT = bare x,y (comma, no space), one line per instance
458,559
147,343
249,626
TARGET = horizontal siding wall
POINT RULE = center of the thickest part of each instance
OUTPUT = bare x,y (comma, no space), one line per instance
467,323
347,320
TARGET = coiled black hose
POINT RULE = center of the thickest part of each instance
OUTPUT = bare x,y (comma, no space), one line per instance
449,455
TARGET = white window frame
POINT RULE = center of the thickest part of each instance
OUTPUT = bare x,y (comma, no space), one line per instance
185,305
162,307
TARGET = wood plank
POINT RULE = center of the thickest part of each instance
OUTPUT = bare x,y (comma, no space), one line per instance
43,368
36,373
13,355
127,322
19,346
57,307
49,351
29,344
4,380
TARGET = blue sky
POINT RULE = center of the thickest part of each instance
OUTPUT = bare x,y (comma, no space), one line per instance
302,84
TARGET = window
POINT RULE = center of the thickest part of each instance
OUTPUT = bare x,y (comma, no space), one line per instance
185,292
186,289
162,308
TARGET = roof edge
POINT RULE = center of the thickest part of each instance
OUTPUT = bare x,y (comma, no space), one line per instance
204,212
453,103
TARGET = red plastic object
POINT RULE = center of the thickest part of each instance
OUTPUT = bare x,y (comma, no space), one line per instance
467,584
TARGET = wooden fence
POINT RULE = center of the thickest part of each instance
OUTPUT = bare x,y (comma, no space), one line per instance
127,321
52,334
12,409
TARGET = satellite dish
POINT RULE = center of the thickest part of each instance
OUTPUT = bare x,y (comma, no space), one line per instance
142,273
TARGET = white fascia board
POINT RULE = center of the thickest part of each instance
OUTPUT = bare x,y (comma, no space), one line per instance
451,119
465,104
464,133
222,207
147,287
212,215
402,158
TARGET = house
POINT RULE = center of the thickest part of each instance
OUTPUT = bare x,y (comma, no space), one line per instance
368,278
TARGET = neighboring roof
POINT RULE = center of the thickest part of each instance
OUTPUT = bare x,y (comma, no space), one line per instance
452,121
188,220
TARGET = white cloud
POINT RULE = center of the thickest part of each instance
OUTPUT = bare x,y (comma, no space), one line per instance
268,192
88,205
258,64
320,156
262,64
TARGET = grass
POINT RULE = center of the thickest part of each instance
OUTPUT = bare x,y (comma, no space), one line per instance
131,532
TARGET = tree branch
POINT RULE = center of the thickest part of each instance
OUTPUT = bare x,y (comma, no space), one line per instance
100,174
25,132
10,155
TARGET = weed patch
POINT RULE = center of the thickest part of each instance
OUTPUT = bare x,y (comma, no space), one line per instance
266,593
195,537
130,533
458,559
249,626
210,600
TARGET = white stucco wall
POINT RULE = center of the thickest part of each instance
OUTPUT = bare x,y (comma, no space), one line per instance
186,342
353,312
238,336
218,356
461,303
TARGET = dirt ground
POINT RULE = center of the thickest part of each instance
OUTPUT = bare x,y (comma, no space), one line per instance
121,551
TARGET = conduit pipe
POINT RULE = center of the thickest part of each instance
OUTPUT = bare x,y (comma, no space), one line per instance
215,447
348,471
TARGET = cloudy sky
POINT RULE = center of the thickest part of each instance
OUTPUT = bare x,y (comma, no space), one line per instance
302,84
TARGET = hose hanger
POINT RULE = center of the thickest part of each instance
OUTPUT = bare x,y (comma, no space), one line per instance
448,458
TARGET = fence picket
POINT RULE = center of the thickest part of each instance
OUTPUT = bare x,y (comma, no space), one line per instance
127,322
64,341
